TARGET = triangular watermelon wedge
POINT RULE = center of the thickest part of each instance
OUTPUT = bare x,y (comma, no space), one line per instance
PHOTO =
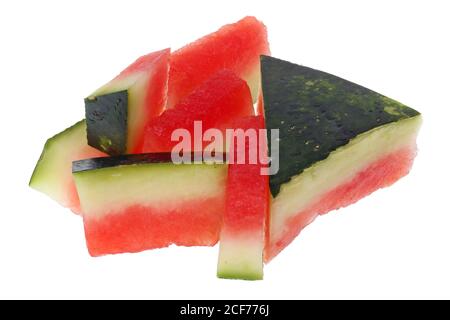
338,142
235,46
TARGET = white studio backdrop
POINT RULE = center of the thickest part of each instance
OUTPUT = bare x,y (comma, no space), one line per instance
393,244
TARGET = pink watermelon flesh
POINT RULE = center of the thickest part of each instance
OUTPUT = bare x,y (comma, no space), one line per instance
137,228
144,63
235,46
381,173
137,206
247,200
216,103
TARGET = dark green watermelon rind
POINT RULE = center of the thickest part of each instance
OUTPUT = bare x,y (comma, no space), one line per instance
107,122
316,113
137,159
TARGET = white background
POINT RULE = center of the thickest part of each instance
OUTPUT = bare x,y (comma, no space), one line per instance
393,244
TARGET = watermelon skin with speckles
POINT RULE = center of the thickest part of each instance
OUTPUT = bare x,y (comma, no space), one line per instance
117,112
338,142
235,46
242,237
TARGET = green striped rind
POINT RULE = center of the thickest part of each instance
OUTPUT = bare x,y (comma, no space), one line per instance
317,113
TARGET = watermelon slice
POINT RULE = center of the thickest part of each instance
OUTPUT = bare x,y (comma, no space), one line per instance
118,112
338,143
138,202
247,201
235,46
53,172
216,104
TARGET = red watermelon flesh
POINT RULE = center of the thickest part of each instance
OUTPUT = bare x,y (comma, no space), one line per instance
142,64
137,228
337,142
155,65
381,173
247,201
139,202
236,46
216,103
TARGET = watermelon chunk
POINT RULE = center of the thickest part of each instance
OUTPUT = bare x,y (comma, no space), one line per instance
235,46
247,201
118,112
53,172
216,104
138,202
338,142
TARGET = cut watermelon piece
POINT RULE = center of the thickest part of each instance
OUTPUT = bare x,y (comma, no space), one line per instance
235,46
247,200
216,103
53,172
338,143
138,202
118,112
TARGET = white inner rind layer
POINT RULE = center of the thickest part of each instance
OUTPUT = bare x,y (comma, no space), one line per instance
241,257
158,185
340,166
53,172
253,79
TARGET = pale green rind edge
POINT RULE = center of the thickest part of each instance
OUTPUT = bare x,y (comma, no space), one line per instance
239,275
41,169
